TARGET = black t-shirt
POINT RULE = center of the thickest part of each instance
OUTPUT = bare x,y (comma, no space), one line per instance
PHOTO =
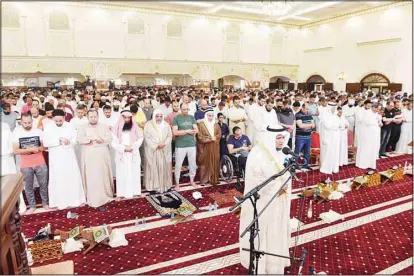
388,114
397,115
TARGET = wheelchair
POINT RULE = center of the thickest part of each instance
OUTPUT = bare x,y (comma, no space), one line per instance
230,167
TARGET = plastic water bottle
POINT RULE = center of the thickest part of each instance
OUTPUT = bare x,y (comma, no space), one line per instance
69,215
310,212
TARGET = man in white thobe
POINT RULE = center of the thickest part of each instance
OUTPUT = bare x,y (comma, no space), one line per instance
367,152
65,181
359,116
329,136
349,113
237,115
8,164
343,138
406,129
265,160
256,123
127,137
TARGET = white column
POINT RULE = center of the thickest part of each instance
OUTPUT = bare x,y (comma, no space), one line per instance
23,27
73,36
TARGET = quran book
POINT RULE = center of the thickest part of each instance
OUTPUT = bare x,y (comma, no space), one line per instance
100,233
74,232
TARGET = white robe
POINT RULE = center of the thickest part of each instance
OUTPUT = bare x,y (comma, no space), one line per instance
77,124
367,152
349,114
258,118
274,223
343,140
8,164
406,132
323,110
264,119
329,136
236,114
128,166
250,130
358,123
65,181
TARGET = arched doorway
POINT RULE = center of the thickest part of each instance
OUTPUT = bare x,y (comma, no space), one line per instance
232,81
281,82
315,83
375,82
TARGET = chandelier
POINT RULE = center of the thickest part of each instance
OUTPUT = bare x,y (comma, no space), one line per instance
271,8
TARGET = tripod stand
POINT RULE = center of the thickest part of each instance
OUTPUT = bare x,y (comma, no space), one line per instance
253,227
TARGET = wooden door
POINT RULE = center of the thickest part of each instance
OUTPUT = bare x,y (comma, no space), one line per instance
302,86
353,87
394,87
291,86
328,86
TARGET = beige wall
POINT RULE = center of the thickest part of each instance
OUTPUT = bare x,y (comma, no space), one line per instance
98,44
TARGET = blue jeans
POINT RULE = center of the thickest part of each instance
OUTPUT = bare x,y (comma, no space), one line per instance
303,144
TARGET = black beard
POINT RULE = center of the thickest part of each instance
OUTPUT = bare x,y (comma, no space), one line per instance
116,109
268,109
7,113
127,126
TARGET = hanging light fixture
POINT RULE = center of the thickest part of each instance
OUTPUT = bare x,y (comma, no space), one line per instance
278,8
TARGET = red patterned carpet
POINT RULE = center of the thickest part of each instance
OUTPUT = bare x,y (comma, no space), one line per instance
374,237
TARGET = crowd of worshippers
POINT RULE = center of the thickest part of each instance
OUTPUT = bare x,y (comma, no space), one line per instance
73,143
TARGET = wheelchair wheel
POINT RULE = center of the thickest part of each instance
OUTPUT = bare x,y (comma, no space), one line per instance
226,168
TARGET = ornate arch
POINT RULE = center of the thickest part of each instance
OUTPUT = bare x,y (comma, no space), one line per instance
276,79
174,28
375,78
315,79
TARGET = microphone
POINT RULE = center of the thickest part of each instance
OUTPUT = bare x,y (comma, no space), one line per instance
287,151
297,157
302,260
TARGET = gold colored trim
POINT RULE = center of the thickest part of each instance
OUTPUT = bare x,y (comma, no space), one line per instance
382,41
116,5
103,60
346,15
317,49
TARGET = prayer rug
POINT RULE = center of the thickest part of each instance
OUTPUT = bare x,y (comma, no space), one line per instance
170,202
226,197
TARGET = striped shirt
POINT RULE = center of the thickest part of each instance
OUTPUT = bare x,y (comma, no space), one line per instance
306,119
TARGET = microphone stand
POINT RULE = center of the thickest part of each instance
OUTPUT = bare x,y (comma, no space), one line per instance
253,227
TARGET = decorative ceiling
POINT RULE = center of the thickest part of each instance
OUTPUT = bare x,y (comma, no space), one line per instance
284,12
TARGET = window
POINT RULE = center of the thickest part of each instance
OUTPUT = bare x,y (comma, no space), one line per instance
174,29
233,33
136,26
58,21
10,17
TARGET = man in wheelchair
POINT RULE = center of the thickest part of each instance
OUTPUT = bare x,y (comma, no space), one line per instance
239,146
